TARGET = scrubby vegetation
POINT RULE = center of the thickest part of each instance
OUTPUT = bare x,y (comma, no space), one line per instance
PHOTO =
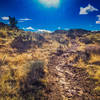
13,22
55,66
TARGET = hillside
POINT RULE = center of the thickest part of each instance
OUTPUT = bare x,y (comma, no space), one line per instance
63,65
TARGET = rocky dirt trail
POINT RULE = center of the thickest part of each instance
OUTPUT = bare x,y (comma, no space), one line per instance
67,82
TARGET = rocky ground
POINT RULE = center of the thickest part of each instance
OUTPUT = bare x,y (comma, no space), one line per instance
68,82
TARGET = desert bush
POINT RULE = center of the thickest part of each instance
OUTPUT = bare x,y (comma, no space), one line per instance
37,70
96,39
22,42
26,40
84,56
62,41
93,49
39,37
8,85
60,51
39,40
2,61
13,22
3,34
32,87
85,40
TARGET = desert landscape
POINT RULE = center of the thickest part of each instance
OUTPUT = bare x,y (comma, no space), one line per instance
63,65
49,49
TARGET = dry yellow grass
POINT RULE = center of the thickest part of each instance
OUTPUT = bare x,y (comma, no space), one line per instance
92,67
14,66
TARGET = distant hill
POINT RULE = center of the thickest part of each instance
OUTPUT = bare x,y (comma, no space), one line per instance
72,32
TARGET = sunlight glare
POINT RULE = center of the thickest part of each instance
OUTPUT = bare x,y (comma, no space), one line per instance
50,3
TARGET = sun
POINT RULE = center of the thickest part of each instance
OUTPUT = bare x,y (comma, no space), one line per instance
50,3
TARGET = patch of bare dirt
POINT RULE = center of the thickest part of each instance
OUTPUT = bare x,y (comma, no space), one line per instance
67,82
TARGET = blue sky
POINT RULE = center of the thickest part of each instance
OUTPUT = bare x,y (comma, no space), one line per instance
39,15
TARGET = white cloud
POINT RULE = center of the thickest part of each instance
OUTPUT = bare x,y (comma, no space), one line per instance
20,21
43,30
5,18
59,28
66,28
25,19
87,9
29,28
98,17
98,21
50,3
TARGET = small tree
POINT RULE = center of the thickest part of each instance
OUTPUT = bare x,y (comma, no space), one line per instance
13,22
